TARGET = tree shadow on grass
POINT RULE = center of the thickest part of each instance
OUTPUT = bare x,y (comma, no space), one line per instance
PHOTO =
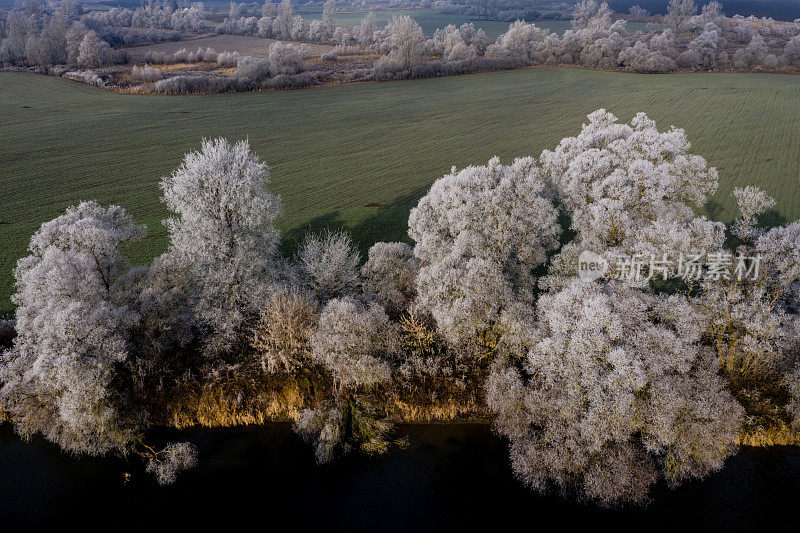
386,222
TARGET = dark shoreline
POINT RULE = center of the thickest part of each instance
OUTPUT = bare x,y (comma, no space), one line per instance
451,477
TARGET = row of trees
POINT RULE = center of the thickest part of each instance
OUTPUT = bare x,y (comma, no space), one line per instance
508,10
165,15
56,35
279,21
601,387
690,41
53,36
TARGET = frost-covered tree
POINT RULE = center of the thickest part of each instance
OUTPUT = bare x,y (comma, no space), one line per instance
299,31
317,31
604,51
705,46
93,52
235,10
329,14
390,275
282,26
664,42
591,15
638,12
282,336
223,235
791,51
480,234
751,55
445,39
286,58
355,343
712,13
253,68
631,189
76,308
678,11
640,59
329,265
779,249
268,10
608,390
752,202
523,41
753,336
365,33
403,41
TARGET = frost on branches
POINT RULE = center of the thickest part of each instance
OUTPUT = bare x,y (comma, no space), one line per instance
630,189
604,388
355,344
613,390
390,274
223,235
75,311
480,233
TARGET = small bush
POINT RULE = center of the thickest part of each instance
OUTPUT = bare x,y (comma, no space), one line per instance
146,73
282,336
228,59
86,76
252,68
286,58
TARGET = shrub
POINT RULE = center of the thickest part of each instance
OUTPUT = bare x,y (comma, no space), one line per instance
228,59
387,68
390,275
86,76
329,265
286,58
252,68
282,336
146,73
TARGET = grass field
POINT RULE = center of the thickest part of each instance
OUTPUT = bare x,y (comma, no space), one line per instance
247,46
359,156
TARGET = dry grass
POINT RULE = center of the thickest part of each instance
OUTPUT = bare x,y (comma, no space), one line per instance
444,410
231,402
764,437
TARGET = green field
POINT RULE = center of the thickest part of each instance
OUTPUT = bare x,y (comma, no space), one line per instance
360,156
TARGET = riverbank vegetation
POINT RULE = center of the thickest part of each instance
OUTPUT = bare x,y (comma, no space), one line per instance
95,47
601,387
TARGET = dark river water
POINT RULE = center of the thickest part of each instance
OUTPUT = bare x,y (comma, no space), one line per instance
450,478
